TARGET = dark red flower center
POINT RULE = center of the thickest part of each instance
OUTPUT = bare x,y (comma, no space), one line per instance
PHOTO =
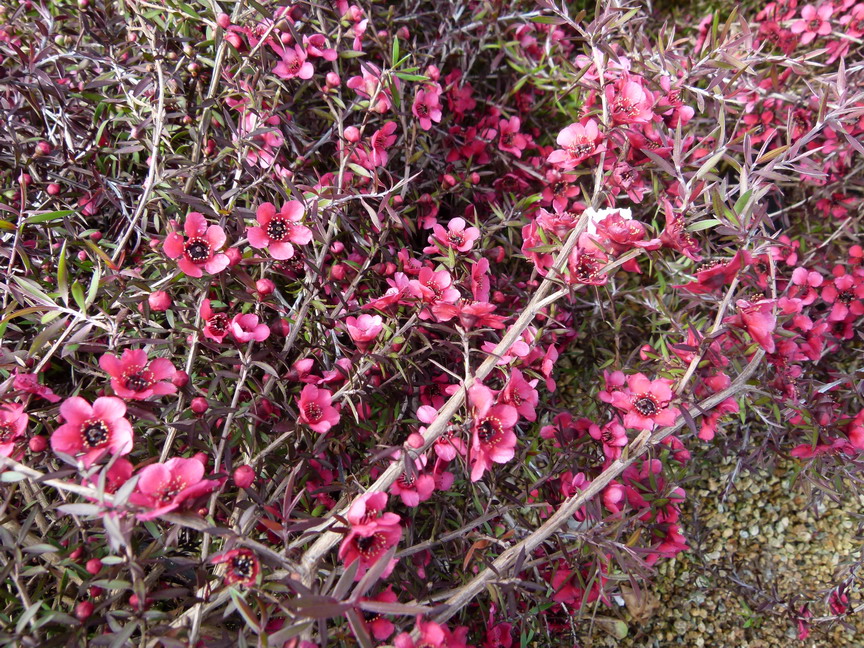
646,405
623,106
313,412
278,229
197,249
370,546
293,65
94,434
218,323
370,617
406,481
606,436
846,297
587,269
581,147
172,489
507,139
138,381
814,25
7,432
242,566
437,291
422,110
456,238
488,428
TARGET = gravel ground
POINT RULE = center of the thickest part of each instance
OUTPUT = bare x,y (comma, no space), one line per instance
762,543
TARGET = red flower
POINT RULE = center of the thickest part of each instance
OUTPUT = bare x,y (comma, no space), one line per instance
276,231
432,635
13,422
245,328
814,22
521,394
613,436
364,329
715,275
645,402
492,437
316,410
199,248
135,376
243,566
164,487
371,535
30,384
845,294
578,142
215,324
91,431
380,627
629,102
511,140
456,236
758,319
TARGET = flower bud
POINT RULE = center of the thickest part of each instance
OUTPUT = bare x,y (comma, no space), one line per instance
244,476
199,405
352,134
85,608
159,301
234,256
264,287
223,20
38,444
93,566
53,189
180,379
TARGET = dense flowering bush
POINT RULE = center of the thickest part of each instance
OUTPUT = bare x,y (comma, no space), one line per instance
404,323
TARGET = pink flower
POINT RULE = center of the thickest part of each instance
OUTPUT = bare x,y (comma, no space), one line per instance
246,328
578,142
199,248
613,436
645,402
293,63
164,487
433,635
845,294
758,319
316,410
91,431
277,230
814,22
364,329
629,102
159,301
381,140
380,627
134,376
511,140
371,535
433,287
372,87
215,324
427,105
13,422
492,437
456,236
30,383
521,394
243,566
414,488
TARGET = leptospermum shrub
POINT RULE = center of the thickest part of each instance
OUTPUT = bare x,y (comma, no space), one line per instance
406,323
